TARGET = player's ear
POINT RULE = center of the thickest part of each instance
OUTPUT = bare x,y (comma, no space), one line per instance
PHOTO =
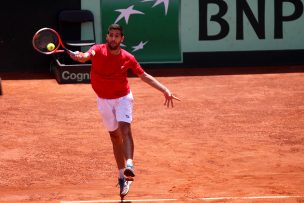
122,38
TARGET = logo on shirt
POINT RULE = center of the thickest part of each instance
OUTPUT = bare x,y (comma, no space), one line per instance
93,53
123,67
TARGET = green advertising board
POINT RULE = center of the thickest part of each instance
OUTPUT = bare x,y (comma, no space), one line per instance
152,28
242,25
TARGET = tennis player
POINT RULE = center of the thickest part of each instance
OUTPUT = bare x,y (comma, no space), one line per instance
109,81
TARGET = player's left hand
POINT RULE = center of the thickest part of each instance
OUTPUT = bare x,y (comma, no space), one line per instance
169,98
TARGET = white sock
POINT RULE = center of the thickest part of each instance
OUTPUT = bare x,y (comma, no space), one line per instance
121,173
129,162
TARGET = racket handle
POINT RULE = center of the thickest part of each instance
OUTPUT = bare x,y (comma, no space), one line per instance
68,51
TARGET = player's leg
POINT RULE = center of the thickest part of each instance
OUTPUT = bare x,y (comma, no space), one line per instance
124,118
128,145
127,139
107,109
127,150
118,149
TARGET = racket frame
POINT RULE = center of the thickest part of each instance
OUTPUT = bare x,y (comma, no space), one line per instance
56,50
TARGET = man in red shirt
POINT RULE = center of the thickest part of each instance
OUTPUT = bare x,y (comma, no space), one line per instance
115,101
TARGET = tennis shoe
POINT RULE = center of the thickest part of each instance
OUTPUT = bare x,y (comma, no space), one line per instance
129,173
124,186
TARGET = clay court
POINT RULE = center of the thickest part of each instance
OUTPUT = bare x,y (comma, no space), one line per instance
233,138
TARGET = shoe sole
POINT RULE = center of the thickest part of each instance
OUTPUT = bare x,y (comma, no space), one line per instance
128,178
129,174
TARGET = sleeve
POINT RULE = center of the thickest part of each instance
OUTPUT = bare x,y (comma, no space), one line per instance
136,67
92,50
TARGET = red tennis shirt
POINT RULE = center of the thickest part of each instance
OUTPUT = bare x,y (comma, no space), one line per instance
109,72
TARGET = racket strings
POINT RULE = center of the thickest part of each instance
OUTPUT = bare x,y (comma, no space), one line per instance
43,38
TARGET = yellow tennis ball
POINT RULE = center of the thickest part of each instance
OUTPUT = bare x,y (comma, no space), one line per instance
50,46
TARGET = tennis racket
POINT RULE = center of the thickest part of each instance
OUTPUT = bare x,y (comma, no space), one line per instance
43,37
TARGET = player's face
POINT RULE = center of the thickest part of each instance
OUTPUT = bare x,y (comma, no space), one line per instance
114,39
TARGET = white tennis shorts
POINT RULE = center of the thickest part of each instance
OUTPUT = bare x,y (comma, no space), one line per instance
113,111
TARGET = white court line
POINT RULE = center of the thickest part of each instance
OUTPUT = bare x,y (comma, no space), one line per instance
203,199
125,200
248,198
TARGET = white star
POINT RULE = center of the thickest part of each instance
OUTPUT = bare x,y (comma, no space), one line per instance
125,13
166,3
139,46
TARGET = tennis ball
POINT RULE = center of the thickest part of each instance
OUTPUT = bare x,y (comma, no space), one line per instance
50,46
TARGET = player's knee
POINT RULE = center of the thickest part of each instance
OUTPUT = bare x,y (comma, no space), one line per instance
125,129
115,135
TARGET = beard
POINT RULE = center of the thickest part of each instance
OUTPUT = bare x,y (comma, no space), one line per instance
113,46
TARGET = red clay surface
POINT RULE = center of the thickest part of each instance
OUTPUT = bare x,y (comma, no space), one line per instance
231,136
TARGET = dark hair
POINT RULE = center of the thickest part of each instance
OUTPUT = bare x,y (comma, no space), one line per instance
116,27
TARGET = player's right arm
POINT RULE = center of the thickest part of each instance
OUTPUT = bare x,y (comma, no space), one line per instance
80,56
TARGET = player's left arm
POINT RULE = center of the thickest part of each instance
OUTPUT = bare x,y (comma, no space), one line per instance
149,79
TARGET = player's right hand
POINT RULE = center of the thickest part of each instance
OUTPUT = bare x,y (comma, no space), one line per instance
80,56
